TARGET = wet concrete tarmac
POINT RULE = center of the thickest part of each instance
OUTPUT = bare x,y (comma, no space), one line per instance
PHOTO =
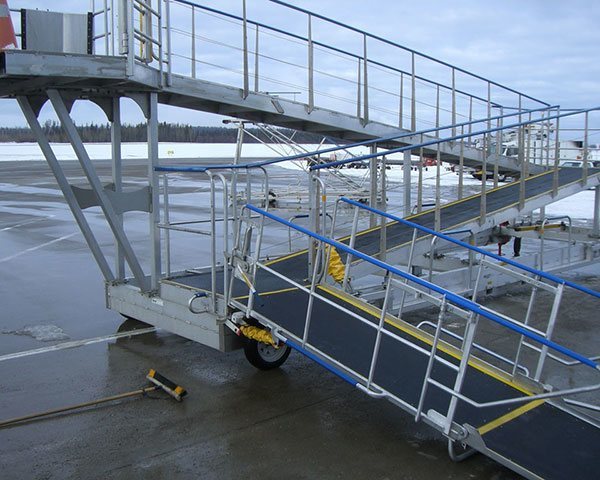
299,422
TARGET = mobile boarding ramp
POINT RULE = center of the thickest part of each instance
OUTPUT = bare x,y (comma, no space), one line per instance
481,399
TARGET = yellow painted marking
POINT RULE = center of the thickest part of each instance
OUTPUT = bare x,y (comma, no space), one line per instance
264,294
488,427
448,349
286,257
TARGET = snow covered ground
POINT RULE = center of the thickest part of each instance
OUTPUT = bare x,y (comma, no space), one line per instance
579,206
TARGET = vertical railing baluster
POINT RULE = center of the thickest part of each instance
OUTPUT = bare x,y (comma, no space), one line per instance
453,101
256,60
401,105
311,85
193,42
365,81
413,97
556,156
584,172
246,90
438,167
380,326
461,163
169,43
420,179
521,157
359,91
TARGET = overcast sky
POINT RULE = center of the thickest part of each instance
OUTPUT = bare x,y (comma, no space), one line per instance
545,48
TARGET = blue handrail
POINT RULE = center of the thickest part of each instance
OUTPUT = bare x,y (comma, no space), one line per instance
263,163
449,139
450,296
534,271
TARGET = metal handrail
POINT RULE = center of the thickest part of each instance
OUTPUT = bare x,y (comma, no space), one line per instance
481,348
353,145
356,56
450,296
363,381
394,44
481,251
453,138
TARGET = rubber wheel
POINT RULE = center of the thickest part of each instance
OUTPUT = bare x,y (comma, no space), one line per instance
265,357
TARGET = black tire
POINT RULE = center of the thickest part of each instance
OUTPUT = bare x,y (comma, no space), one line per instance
265,357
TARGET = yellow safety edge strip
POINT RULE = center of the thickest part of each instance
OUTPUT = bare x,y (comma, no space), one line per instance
264,294
476,363
517,412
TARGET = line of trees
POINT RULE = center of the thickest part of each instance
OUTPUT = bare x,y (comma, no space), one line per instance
167,132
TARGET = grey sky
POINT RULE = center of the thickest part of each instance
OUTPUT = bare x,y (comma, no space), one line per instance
547,49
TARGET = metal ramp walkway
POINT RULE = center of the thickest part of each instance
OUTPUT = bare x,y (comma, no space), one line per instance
503,415
490,402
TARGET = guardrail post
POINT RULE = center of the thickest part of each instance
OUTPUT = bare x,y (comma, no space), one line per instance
169,44
365,82
311,75
549,331
584,170
358,91
453,101
373,186
256,57
245,50
499,148
521,158
413,98
401,104
420,181
383,206
461,164
438,167
193,42
313,215
596,227
556,157
407,166
462,369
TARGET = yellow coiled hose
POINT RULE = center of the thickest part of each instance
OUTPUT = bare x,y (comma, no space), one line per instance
258,334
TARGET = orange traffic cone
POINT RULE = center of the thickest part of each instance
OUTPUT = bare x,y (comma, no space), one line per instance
7,32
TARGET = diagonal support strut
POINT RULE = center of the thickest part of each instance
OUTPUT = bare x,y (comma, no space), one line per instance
107,209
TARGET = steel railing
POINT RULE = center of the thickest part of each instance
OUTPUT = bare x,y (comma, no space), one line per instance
448,304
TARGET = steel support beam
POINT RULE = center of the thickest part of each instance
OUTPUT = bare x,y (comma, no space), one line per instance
154,217
90,172
63,184
117,175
